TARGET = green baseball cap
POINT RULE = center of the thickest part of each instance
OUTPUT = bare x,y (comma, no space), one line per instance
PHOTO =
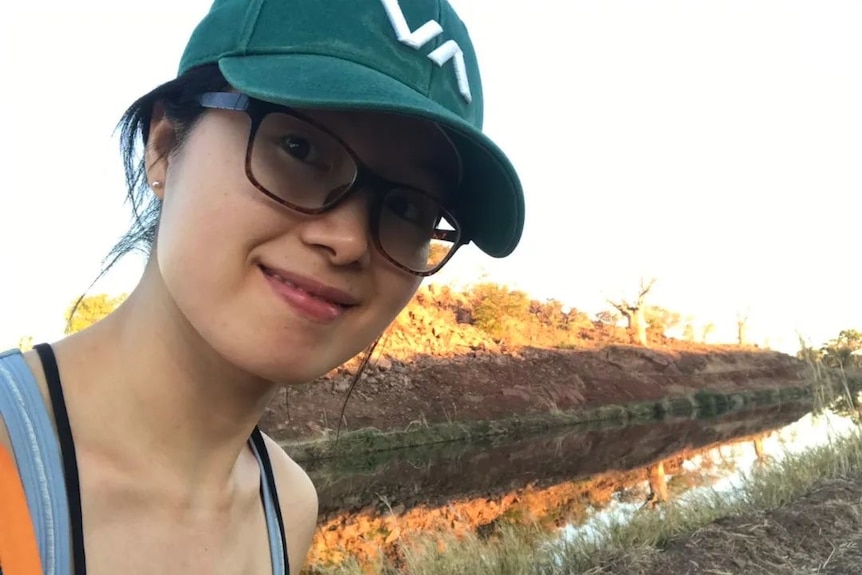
410,57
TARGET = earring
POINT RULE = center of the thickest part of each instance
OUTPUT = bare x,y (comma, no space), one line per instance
156,184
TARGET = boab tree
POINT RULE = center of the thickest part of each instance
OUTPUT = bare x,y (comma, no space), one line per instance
633,311
742,327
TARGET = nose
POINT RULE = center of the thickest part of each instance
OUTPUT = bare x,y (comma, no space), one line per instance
342,233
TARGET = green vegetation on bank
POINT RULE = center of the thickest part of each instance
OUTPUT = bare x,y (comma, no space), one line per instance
704,403
624,546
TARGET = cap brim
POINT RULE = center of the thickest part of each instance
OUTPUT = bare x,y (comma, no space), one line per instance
493,205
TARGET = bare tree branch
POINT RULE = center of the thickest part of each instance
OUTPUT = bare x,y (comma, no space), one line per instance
645,289
621,307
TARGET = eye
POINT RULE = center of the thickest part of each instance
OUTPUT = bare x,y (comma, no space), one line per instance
291,138
409,206
401,206
301,148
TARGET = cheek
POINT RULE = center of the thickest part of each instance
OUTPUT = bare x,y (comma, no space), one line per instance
189,243
204,209
189,254
207,228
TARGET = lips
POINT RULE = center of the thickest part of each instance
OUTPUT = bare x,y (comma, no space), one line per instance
313,299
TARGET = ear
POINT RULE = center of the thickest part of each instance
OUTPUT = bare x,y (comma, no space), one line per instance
161,140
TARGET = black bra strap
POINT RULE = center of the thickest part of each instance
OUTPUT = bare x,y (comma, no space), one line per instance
260,445
67,448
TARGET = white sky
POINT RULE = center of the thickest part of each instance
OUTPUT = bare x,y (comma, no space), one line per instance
714,145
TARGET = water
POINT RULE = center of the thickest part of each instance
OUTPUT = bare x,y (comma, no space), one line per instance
570,480
723,469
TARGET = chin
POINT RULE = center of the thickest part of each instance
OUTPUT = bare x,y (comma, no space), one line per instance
285,368
283,354
284,375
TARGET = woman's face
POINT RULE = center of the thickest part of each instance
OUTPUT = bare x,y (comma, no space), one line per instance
280,295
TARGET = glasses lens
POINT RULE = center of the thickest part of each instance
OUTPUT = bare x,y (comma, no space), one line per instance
307,168
299,163
415,230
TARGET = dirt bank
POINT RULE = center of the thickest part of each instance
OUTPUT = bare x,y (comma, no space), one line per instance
489,353
481,385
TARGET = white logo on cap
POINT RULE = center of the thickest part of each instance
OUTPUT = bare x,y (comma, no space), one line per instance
417,38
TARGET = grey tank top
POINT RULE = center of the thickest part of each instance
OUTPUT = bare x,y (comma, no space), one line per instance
48,470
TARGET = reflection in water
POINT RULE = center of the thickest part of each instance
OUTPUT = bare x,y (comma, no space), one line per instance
368,504
722,468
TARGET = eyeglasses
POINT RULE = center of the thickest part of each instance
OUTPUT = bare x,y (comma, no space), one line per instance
303,166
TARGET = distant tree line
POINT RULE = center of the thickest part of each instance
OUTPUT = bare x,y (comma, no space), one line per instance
501,312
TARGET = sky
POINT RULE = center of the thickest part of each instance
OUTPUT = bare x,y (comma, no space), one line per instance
714,146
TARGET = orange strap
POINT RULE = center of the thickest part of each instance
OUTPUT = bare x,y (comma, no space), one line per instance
19,553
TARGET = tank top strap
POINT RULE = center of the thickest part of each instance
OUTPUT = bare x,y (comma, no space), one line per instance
39,461
272,508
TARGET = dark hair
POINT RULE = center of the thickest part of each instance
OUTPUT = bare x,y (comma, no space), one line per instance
179,99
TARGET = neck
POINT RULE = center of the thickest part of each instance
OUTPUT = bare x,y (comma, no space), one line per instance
168,405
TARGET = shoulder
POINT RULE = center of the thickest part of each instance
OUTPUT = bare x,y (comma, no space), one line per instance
32,361
298,500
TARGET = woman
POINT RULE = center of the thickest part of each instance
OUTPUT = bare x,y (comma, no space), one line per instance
310,164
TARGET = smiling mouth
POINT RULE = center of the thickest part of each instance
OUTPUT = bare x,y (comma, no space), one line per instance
314,291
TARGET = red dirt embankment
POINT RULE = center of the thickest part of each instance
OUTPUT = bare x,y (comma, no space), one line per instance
435,364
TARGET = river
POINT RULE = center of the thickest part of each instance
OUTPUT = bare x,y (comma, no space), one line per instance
563,479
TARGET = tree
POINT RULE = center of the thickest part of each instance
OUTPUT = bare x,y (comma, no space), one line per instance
688,332
659,320
707,331
633,311
496,308
90,309
607,317
843,351
575,319
549,313
742,327
25,343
